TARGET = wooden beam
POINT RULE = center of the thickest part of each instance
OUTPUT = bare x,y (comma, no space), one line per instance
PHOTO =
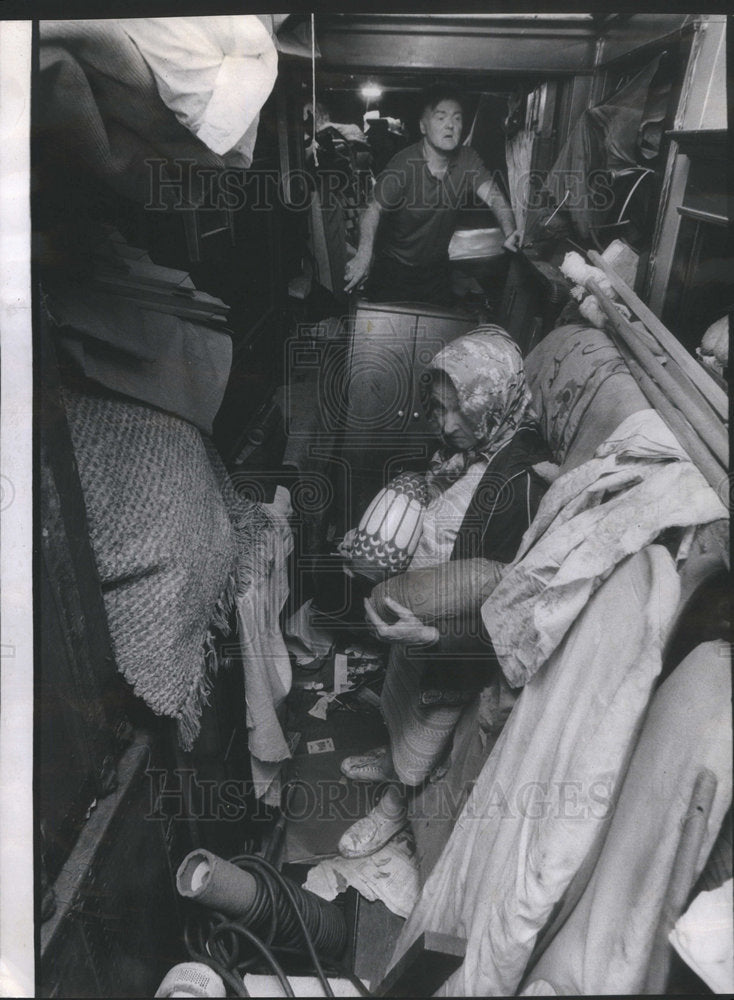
682,878
361,43
709,390
425,966
696,450
706,426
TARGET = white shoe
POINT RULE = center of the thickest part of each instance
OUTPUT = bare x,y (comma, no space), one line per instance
375,765
370,833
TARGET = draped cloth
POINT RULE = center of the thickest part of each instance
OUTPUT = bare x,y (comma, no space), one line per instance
606,944
155,357
639,483
575,371
542,801
604,142
214,73
265,659
100,112
519,154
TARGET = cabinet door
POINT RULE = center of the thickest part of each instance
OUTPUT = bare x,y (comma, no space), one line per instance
380,379
386,430
391,348
379,391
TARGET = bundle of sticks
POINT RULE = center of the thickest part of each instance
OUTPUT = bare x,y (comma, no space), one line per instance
692,404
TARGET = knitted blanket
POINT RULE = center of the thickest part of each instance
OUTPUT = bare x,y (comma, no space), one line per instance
173,546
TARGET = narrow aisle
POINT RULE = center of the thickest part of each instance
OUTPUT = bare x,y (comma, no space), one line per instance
322,729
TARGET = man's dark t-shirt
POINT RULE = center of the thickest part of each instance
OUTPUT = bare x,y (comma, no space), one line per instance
419,210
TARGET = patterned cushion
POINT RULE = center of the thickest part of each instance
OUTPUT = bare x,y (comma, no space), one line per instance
582,391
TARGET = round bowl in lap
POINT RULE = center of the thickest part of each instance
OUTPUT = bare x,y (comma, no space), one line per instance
439,593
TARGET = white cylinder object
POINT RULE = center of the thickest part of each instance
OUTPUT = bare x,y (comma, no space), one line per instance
191,979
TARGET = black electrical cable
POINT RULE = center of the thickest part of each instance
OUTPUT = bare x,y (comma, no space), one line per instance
281,909
274,873
267,954
236,986
298,910
354,980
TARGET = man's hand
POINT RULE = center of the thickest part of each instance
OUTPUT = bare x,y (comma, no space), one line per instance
356,271
513,241
407,629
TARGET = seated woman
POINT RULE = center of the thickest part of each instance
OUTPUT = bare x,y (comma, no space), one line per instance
484,493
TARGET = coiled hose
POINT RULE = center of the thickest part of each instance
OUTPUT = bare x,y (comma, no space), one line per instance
281,917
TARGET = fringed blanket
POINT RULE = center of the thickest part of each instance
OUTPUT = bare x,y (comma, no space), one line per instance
174,546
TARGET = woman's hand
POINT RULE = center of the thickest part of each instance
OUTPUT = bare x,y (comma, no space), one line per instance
407,628
344,548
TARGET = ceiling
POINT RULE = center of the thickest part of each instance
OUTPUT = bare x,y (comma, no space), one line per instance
502,45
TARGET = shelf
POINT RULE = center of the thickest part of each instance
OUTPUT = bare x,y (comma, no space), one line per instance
714,218
702,143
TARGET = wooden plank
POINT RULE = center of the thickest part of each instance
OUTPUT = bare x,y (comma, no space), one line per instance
425,966
709,390
376,931
687,437
83,669
435,46
117,913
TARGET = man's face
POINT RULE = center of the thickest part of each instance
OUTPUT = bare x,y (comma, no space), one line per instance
442,125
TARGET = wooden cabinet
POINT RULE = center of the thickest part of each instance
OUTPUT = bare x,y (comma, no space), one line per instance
385,428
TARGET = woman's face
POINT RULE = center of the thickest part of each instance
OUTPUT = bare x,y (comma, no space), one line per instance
445,415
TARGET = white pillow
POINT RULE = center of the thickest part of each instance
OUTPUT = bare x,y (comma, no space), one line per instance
214,73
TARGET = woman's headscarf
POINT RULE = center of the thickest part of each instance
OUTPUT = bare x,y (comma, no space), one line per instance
486,369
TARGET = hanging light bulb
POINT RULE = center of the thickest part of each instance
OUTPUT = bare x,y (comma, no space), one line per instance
371,91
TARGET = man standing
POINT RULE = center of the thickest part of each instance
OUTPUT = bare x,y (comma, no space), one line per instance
406,229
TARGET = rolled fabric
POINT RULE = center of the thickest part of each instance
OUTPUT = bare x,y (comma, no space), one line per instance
390,529
439,593
714,349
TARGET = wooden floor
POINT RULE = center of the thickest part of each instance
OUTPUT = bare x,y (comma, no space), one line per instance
323,803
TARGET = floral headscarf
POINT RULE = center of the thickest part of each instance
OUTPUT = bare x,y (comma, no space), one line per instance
486,369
